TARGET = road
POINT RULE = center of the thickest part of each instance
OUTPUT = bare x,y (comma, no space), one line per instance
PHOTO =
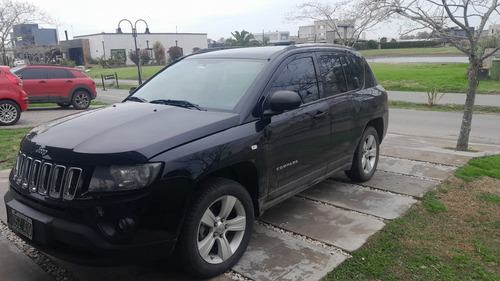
443,125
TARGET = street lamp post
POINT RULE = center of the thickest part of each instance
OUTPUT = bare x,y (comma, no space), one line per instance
134,34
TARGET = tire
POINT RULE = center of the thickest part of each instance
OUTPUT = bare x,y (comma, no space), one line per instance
214,238
81,100
10,112
365,158
64,104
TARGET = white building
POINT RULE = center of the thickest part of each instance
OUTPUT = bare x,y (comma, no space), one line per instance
111,45
274,36
322,31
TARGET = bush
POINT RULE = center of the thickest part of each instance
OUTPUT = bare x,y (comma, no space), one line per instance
68,63
372,44
412,44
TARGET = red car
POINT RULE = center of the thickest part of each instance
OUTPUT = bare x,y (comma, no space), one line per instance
13,99
57,84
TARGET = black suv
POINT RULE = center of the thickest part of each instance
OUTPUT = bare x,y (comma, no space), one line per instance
193,155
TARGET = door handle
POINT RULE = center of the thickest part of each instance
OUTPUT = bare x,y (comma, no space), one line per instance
69,81
320,114
42,82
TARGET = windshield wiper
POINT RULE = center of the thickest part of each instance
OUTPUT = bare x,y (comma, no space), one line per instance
136,99
179,103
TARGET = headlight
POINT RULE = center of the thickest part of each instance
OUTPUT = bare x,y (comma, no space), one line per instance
123,177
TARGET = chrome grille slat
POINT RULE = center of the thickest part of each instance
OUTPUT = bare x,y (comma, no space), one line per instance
46,178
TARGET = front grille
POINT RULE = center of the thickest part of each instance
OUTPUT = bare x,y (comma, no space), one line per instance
46,178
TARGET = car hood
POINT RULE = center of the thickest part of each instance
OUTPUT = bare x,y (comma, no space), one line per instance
128,129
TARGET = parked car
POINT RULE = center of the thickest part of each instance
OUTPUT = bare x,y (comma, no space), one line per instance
57,84
184,164
13,99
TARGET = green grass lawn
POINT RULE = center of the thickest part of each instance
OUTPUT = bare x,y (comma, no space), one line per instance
124,73
452,234
438,51
421,77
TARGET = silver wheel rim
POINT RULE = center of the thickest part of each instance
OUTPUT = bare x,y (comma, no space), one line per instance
221,229
82,100
369,155
8,113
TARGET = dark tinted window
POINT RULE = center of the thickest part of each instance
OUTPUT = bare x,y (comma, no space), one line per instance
355,73
370,80
57,73
299,76
332,75
32,73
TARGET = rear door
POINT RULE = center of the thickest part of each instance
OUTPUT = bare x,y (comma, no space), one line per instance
298,140
338,91
60,83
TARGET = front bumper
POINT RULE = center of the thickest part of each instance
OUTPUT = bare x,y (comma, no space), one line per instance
77,242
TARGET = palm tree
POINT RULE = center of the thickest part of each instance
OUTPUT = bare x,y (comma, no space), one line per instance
243,38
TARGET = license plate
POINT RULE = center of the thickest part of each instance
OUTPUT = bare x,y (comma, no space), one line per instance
21,223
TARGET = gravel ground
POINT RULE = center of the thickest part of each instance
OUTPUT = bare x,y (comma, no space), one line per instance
42,260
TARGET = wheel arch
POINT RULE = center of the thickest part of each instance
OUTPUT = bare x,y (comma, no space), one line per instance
378,124
85,88
244,173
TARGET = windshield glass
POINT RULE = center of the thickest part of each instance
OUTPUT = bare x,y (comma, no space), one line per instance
207,83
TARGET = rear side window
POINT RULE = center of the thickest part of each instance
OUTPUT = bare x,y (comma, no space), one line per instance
355,73
57,73
299,76
332,75
370,79
32,73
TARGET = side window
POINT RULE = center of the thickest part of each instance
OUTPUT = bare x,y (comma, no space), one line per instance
299,76
370,80
56,73
354,72
332,75
33,73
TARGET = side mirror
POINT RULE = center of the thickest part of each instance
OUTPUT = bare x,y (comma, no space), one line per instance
282,101
132,90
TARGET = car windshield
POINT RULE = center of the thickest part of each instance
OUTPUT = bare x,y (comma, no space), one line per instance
204,83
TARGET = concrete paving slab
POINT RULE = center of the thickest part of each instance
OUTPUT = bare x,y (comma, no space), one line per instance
361,199
16,266
397,183
341,228
158,271
275,256
415,168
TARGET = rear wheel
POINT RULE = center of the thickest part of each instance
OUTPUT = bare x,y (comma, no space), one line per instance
365,158
217,228
81,100
10,112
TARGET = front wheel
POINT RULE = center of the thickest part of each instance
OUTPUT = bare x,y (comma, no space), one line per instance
81,100
10,112
365,158
217,228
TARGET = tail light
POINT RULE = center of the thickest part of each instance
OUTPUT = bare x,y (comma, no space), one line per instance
14,79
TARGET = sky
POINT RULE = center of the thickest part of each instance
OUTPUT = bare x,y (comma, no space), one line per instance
217,18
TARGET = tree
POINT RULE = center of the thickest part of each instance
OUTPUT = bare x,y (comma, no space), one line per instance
358,16
159,52
438,16
175,52
13,13
243,39
144,56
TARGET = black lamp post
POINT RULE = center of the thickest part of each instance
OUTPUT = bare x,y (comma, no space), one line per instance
134,34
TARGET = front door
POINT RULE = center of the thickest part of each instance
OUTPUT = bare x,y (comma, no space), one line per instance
298,140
